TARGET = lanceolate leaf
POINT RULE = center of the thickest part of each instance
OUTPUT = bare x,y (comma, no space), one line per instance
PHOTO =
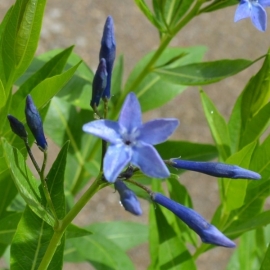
21,35
51,68
25,182
203,73
30,242
217,126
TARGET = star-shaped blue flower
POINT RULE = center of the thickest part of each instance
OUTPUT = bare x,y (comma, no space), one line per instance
131,141
255,10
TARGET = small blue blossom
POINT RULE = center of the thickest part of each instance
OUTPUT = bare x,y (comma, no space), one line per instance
34,122
255,10
131,141
128,198
209,233
217,169
17,127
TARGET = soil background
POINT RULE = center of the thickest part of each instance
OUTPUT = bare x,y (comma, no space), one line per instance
80,22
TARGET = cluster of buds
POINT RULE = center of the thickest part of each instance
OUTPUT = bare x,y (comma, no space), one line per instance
101,87
34,123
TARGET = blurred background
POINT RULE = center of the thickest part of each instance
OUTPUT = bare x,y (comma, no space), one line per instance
81,22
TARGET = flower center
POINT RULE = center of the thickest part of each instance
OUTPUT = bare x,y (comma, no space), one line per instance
129,138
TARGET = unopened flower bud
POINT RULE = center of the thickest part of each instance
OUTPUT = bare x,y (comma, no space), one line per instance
17,127
107,51
128,198
215,169
208,232
99,83
34,122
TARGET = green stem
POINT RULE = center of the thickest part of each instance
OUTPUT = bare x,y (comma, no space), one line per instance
31,156
163,45
95,187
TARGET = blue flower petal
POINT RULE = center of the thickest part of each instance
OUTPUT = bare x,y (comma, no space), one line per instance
130,116
148,160
115,160
243,11
264,3
104,129
259,17
157,131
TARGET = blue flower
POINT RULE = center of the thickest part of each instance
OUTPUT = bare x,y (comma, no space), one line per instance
209,233
131,141
128,198
255,10
34,122
215,169
107,51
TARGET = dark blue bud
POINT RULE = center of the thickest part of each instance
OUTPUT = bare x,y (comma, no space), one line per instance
215,169
99,83
34,122
209,233
128,198
17,127
107,51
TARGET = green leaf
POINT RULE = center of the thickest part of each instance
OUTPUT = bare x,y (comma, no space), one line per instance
266,261
48,87
149,89
235,190
55,182
217,126
25,182
254,222
256,93
203,73
218,4
147,12
30,242
117,79
74,231
8,226
124,234
51,68
102,253
256,126
2,95
21,35
187,150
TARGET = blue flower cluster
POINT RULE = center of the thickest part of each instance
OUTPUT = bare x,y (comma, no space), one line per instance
131,142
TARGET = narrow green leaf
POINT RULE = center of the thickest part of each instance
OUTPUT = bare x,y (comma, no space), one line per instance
2,95
30,242
55,182
266,261
117,79
21,36
254,222
256,126
187,150
219,4
51,68
124,234
149,89
203,73
256,93
147,12
217,126
235,190
74,231
8,226
25,182
48,87
102,253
